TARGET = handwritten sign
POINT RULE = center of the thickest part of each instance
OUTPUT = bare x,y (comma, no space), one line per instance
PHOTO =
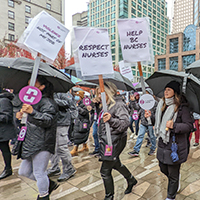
94,52
125,70
134,36
45,35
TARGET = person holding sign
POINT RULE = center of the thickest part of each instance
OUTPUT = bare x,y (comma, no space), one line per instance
39,142
118,119
172,118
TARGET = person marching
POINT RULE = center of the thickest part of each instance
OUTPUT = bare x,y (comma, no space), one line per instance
7,130
118,119
61,151
173,121
40,138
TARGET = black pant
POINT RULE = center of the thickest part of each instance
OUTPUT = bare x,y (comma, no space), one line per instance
5,149
106,169
172,172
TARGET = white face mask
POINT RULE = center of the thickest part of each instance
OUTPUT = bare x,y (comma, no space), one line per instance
77,98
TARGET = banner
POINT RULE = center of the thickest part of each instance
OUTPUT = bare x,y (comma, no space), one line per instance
44,35
94,52
134,37
125,70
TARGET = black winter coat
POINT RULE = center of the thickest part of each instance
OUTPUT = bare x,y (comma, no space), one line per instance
7,129
182,129
83,117
119,123
41,128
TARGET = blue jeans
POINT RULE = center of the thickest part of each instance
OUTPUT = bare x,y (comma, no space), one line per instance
95,136
136,125
141,137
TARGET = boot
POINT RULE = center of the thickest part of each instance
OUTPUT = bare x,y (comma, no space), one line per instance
131,182
6,173
52,186
74,151
43,198
109,197
85,148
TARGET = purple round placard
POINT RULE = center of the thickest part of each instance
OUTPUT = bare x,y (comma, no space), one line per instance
86,101
30,95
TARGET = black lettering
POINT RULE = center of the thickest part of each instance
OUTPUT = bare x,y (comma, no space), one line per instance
85,47
81,47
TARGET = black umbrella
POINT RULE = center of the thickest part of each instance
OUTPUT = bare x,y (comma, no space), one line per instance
159,79
86,84
194,68
15,73
120,81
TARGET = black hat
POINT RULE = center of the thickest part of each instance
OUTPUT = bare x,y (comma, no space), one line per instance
174,85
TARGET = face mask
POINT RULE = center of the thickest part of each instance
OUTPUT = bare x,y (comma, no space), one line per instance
77,98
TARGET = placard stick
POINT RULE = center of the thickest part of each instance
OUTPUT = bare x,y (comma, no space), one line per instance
103,97
141,78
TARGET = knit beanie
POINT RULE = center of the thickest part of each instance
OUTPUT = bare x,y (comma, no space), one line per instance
80,94
174,85
149,90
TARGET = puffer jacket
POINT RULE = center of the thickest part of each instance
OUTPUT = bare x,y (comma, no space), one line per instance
119,123
133,105
7,129
83,117
64,105
182,129
41,128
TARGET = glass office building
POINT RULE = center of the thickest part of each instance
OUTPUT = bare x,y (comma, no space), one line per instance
104,13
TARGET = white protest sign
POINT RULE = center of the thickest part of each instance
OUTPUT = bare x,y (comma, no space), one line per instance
125,70
94,52
146,101
44,35
134,37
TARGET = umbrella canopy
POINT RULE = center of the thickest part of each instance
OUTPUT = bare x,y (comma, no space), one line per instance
138,87
120,81
159,79
15,73
86,84
194,68
76,89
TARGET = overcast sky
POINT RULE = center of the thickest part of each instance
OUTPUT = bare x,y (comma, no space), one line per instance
75,6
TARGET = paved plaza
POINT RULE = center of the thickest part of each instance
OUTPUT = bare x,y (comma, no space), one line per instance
87,182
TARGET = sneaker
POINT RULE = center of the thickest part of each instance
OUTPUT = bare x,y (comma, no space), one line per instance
94,153
52,186
65,177
151,152
133,153
196,144
53,173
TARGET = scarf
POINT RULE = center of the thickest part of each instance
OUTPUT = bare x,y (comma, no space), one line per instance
160,125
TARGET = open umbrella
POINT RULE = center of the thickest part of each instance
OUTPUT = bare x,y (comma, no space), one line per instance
15,73
190,85
120,81
194,68
86,84
138,87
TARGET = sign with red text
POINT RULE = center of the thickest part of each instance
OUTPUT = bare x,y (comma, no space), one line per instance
125,70
93,46
45,35
30,95
146,101
134,37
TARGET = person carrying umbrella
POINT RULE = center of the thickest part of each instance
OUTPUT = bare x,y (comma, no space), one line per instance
39,142
118,119
172,120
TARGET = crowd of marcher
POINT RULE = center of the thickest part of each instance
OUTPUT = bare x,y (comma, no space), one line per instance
61,120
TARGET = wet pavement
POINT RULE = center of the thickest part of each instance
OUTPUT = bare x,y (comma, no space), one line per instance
87,182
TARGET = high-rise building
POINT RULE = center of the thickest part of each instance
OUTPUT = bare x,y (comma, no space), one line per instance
15,15
183,14
196,12
104,13
80,19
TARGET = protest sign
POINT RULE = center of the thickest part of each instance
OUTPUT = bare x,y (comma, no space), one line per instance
134,37
44,35
125,70
146,101
94,52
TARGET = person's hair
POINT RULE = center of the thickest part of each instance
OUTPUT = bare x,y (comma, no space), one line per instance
49,89
177,102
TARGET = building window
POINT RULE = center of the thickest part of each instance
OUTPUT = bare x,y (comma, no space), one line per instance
11,15
27,19
161,64
189,41
187,60
173,45
173,63
27,9
11,26
11,3
11,37
48,6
